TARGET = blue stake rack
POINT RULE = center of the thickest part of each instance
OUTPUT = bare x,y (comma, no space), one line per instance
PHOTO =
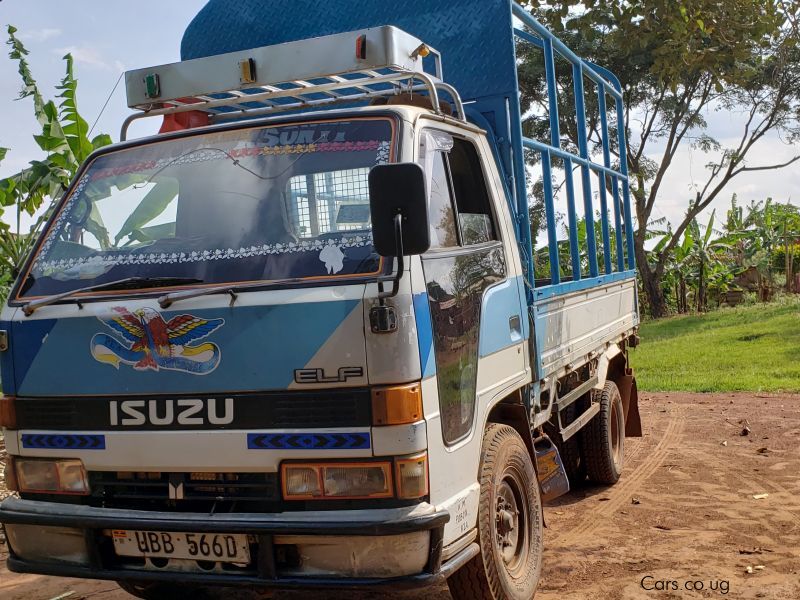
477,41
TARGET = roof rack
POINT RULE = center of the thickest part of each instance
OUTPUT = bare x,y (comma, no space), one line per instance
334,69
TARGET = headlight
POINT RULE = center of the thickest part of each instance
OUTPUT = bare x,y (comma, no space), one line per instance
51,476
337,480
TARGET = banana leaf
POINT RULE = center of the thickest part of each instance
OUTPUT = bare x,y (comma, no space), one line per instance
94,225
151,206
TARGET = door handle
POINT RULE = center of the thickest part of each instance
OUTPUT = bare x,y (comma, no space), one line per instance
515,326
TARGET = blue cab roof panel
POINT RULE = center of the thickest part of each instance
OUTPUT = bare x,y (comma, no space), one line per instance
475,37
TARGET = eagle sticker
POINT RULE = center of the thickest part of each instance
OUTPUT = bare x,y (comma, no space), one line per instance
145,341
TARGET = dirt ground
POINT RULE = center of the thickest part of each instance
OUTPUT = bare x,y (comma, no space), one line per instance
697,505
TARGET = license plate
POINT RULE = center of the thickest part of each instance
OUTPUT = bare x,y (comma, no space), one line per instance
218,547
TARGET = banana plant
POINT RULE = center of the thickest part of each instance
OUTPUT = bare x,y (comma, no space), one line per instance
705,255
64,138
678,272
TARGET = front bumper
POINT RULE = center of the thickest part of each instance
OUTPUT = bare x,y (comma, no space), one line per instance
92,525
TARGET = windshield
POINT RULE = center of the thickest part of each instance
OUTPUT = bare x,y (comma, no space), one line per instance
248,205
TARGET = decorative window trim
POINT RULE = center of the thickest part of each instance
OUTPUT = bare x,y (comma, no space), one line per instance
160,258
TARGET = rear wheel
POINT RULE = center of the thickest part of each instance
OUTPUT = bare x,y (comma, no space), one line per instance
509,524
604,437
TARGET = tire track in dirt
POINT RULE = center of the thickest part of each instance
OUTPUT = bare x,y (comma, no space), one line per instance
619,494
635,445
748,477
757,480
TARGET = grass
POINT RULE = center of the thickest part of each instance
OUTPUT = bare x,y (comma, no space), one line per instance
750,348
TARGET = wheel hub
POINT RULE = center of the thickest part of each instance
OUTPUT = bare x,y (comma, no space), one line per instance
507,524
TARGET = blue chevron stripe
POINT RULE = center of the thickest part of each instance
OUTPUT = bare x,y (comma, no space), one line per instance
308,441
64,441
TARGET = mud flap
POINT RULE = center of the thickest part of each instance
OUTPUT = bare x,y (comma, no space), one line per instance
553,479
630,403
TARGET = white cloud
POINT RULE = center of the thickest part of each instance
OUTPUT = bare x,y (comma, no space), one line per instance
90,57
39,35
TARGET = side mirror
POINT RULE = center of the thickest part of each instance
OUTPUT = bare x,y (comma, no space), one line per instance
399,207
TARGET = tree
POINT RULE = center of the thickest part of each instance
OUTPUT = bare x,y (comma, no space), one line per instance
787,219
64,137
677,60
765,238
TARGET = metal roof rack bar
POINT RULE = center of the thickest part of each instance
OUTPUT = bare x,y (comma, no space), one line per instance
334,69
237,108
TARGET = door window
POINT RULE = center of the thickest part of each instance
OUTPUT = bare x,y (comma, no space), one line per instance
471,194
440,209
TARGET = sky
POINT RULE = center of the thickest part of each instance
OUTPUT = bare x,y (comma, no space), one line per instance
108,37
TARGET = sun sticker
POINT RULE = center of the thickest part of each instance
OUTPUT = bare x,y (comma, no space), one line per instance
333,257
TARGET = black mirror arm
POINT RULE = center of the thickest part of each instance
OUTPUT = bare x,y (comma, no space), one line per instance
401,267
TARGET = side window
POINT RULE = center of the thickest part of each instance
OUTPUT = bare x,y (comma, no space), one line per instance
442,217
471,194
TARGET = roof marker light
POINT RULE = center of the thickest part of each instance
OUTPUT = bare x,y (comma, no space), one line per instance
152,85
247,71
423,51
361,47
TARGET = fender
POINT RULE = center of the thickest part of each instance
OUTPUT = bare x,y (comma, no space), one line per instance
603,363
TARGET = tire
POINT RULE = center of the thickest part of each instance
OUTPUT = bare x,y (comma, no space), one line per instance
508,486
571,451
604,437
163,591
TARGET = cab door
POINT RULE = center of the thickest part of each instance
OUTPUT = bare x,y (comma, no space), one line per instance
472,288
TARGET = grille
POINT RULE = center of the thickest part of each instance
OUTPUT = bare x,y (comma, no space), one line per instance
120,489
273,410
45,413
321,412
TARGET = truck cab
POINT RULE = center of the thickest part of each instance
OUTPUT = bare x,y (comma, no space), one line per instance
296,339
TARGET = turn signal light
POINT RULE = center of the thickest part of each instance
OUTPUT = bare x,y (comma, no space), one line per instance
397,405
8,413
412,476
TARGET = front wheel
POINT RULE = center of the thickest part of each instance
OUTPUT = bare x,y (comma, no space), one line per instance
509,524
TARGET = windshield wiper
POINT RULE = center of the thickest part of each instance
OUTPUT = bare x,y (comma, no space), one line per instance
168,300
122,284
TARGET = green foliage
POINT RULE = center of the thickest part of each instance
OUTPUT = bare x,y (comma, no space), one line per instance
673,39
64,140
151,206
706,263
749,348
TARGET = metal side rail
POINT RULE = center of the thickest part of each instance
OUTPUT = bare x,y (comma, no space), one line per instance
610,180
574,427
568,400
